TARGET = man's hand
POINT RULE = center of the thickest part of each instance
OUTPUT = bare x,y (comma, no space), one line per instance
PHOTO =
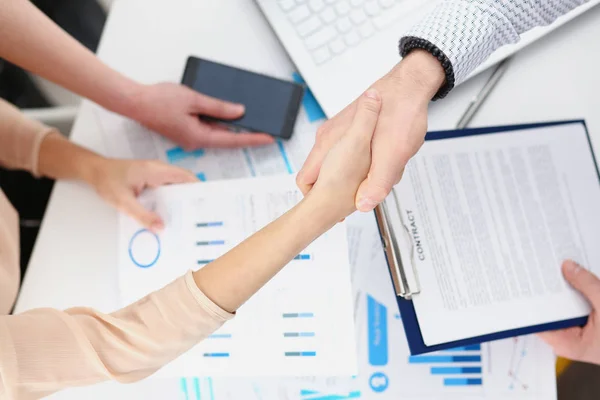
172,110
405,92
581,344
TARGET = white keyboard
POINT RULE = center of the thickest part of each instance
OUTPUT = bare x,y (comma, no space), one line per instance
330,27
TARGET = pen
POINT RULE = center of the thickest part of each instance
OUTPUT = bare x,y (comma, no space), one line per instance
482,95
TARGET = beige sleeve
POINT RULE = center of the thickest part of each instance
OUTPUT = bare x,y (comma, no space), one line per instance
20,139
45,350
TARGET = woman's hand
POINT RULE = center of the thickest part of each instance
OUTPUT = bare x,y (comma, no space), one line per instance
119,182
172,110
347,163
581,344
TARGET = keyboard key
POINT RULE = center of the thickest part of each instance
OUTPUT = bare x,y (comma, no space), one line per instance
344,25
387,3
342,7
358,16
352,38
299,14
337,46
328,15
287,5
372,8
309,26
366,29
321,55
388,17
356,3
316,5
320,38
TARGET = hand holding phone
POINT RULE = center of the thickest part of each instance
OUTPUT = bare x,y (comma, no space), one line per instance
272,104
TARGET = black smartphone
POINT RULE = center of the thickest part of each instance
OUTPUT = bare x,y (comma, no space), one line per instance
272,104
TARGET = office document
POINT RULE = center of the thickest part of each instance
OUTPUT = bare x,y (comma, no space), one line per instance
299,324
488,217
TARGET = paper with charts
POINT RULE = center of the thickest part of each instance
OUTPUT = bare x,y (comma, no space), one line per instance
521,368
299,324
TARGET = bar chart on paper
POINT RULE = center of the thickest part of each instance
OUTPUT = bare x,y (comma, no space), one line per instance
289,332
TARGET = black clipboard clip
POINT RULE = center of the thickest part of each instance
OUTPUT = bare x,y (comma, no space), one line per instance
389,237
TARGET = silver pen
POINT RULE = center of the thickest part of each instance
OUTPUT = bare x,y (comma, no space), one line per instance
483,94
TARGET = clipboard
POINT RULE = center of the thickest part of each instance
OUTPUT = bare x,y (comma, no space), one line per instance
406,289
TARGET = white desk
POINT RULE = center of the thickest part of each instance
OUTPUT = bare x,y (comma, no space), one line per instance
74,261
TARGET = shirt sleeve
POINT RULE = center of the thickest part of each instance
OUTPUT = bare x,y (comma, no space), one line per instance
45,350
20,139
469,31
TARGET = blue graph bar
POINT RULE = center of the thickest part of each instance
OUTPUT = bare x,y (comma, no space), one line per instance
298,334
209,224
204,262
216,355
220,336
298,315
473,347
463,382
300,353
302,257
455,370
201,176
377,332
177,154
210,243
184,388
442,359
197,388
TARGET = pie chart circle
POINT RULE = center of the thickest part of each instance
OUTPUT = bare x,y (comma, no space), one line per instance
144,248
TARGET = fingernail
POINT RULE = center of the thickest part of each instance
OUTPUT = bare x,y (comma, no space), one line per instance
157,226
239,108
366,204
572,267
372,94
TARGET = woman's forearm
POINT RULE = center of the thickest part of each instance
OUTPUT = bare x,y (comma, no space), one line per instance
233,278
62,159
32,41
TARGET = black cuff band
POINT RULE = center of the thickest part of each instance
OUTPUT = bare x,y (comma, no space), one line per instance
409,43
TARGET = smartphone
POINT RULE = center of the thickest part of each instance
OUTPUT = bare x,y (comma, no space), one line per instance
272,104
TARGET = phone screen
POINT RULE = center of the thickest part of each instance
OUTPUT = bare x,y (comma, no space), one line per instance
272,104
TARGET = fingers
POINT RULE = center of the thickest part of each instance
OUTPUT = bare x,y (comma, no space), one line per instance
366,116
212,107
130,206
567,343
164,174
199,134
385,172
327,136
583,281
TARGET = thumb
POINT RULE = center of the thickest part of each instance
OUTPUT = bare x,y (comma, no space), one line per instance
150,220
583,281
213,107
366,116
566,343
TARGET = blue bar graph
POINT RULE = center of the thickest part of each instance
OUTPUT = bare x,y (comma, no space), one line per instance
455,370
218,355
298,334
473,347
377,332
177,154
201,176
209,224
197,388
300,353
302,257
463,382
204,262
220,336
184,388
298,315
442,359
210,243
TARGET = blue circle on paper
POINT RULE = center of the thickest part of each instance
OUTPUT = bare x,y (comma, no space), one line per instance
135,237
379,382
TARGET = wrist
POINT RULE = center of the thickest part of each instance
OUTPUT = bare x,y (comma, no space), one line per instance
419,72
91,168
326,207
128,98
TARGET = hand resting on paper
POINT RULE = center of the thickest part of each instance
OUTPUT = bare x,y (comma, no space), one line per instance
580,344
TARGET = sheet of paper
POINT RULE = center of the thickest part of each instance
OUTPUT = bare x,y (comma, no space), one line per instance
520,368
299,324
490,220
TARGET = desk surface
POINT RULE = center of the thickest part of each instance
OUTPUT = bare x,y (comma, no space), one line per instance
74,262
